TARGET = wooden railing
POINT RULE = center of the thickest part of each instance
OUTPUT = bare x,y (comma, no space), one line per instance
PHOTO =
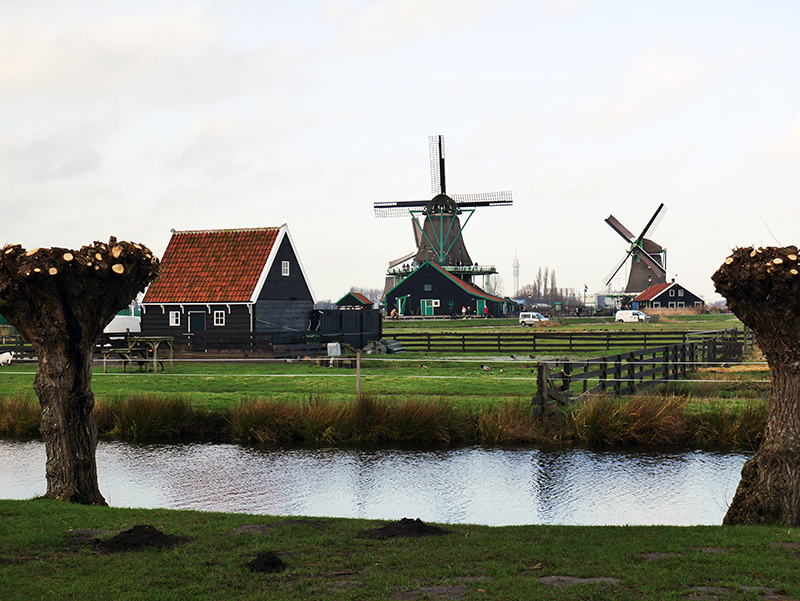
549,342
565,381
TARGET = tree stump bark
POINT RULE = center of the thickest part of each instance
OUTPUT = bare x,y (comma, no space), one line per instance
762,287
60,300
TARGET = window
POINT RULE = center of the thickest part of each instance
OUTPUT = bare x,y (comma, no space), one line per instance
428,287
174,318
672,293
680,292
671,305
284,267
656,304
219,318
681,304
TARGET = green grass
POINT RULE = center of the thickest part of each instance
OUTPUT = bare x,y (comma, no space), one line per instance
40,559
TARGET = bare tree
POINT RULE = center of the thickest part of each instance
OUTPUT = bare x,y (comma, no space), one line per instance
762,287
60,300
373,294
496,286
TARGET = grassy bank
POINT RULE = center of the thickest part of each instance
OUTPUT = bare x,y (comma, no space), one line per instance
49,552
641,420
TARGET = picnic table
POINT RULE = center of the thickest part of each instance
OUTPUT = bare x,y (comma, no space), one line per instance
142,350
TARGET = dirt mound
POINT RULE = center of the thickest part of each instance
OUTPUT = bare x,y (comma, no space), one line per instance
405,527
266,562
139,537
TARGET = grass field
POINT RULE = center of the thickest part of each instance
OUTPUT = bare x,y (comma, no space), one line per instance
49,552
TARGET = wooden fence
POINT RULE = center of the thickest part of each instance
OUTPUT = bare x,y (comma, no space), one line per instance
550,342
564,381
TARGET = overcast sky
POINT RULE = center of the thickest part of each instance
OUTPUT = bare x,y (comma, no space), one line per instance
130,118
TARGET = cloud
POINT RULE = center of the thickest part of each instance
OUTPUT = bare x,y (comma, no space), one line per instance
656,82
785,149
388,22
65,152
565,7
180,53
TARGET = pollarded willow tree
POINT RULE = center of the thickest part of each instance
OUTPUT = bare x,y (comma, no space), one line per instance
762,287
60,300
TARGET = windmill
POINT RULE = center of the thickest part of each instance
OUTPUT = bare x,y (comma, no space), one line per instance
439,238
649,259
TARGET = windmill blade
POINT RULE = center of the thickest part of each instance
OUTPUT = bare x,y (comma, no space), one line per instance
484,199
616,269
620,229
654,221
436,150
397,208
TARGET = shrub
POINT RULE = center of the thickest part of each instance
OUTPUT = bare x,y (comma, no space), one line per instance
142,416
722,423
263,421
20,415
642,420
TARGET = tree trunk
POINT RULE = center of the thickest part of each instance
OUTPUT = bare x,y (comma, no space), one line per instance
762,287
61,300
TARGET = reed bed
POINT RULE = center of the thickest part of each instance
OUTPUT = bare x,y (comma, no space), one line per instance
651,420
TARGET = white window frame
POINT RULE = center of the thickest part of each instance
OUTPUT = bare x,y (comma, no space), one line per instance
174,318
671,305
672,293
680,292
219,318
284,268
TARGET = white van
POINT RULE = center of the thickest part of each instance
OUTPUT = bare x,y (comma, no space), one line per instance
531,318
628,316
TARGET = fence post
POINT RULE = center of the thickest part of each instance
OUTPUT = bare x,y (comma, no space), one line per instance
358,376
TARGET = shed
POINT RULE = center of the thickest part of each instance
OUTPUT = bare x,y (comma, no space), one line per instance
354,299
232,282
670,295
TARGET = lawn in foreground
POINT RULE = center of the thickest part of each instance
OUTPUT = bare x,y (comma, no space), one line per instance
47,553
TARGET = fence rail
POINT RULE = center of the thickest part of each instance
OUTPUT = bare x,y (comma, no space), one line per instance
564,381
550,342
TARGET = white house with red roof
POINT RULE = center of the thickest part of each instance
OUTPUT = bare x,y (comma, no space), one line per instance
232,281
670,295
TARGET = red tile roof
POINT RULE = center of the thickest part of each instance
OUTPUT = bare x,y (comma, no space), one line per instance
212,266
652,292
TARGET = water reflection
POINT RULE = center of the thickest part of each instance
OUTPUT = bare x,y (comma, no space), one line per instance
463,485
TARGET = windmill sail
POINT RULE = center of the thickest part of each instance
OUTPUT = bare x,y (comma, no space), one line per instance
648,259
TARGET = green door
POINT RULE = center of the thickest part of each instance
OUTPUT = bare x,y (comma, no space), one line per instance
481,305
401,305
427,307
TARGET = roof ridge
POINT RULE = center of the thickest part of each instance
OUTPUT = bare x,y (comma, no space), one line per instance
228,230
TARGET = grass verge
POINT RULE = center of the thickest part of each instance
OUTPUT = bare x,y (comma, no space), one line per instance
47,553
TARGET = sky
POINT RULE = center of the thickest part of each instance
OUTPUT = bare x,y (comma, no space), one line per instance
132,118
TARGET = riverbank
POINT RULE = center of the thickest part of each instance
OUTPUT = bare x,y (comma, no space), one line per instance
53,549
640,420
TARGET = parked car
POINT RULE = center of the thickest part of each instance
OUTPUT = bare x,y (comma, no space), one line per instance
628,316
531,318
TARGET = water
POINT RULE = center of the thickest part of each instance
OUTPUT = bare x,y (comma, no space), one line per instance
474,485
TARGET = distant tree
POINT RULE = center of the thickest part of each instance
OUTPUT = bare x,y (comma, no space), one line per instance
526,291
373,294
496,286
60,300
539,284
